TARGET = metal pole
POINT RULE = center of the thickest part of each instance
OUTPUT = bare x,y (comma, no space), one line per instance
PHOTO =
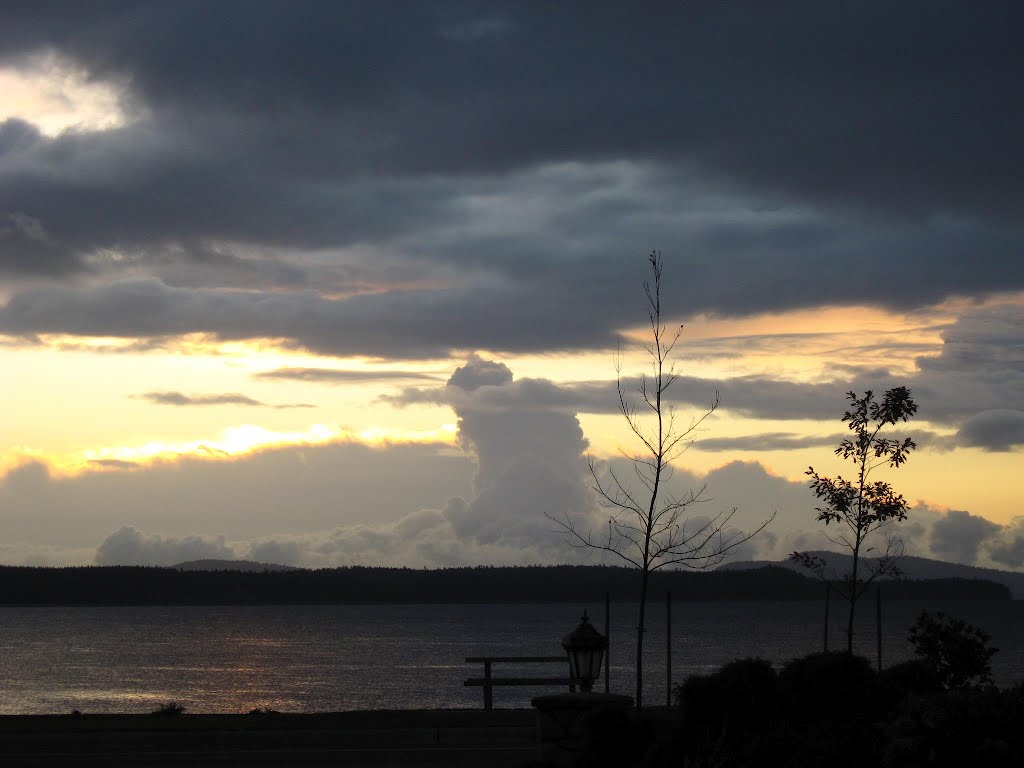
488,700
828,596
878,624
607,634
668,649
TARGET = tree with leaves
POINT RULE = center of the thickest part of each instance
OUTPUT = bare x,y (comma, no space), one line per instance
647,524
861,507
958,652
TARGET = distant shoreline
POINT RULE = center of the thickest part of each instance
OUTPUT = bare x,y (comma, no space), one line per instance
104,586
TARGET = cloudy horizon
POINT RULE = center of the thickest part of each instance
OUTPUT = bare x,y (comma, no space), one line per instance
331,284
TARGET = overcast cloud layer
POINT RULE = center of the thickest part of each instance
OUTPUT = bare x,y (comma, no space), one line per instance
410,181
494,166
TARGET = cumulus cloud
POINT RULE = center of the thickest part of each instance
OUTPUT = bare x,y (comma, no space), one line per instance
995,430
312,488
530,462
452,535
128,546
1005,549
959,535
1009,553
478,372
279,552
520,456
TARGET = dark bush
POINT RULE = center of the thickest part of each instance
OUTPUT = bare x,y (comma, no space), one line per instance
958,652
743,692
913,676
893,684
828,686
170,709
735,716
822,710
615,738
961,727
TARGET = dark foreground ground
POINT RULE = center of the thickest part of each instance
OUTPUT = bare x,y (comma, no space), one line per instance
420,738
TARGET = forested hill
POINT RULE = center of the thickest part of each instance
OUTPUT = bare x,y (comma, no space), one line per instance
126,585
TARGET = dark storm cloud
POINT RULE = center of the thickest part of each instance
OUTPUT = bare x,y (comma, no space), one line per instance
514,289
228,398
858,103
25,247
975,383
407,324
478,175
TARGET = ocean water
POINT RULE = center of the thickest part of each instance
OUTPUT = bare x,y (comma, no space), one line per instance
330,658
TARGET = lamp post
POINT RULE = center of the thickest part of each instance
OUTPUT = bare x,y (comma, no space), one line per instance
561,717
585,647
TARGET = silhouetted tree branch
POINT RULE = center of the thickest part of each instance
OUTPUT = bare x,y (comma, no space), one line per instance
648,527
861,508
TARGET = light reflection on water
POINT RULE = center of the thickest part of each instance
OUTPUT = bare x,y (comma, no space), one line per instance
323,658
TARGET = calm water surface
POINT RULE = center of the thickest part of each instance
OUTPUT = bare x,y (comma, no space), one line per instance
327,658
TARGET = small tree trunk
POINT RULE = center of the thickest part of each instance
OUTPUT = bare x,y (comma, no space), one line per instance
849,626
640,642
853,600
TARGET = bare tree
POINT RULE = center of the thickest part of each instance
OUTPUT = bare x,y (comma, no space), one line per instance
648,525
861,508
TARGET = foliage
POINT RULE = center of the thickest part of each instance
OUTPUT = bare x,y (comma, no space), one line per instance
915,676
834,682
170,709
825,710
808,714
612,738
956,728
958,652
743,692
647,525
860,507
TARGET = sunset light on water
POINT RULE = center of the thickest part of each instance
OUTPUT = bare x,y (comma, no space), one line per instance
349,350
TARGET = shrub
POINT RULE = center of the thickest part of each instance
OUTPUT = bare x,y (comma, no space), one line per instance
615,738
915,676
744,692
958,652
735,716
170,709
828,686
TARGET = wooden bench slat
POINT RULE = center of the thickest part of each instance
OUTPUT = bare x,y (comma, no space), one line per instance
488,682
518,659
517,681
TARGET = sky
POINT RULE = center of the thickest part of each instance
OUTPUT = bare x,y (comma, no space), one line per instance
332,284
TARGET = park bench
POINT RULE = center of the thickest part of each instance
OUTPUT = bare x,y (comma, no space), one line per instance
488,681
